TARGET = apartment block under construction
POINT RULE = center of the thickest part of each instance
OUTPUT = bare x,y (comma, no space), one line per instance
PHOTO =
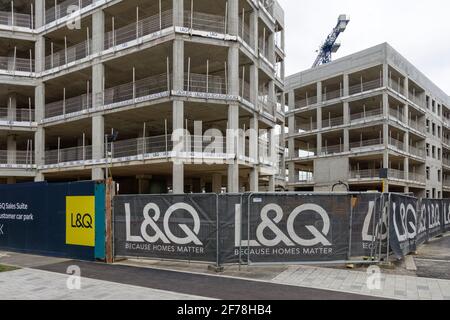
95,88
368,111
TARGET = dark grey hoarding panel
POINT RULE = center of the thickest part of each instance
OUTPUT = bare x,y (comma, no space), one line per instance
446,214
434,217
369,225
166,226
402,224
298,228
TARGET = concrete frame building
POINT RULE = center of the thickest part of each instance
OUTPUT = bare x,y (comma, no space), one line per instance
364,112
96,87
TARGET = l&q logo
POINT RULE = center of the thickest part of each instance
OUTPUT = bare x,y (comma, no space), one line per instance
168,235
80,221
290,239
84,221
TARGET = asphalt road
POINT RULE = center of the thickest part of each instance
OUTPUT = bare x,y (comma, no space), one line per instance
200,285
433,259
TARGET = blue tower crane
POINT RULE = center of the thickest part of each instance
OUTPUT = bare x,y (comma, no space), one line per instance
331,45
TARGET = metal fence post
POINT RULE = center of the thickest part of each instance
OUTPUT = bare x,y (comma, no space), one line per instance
217,234
388,213
349,254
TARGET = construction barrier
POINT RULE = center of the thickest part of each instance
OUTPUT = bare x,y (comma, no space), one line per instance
248,228
413,222
61,219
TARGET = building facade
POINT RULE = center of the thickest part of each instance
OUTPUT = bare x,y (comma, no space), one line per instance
96,88
368,111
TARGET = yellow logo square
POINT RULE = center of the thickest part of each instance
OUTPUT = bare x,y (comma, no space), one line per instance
80,221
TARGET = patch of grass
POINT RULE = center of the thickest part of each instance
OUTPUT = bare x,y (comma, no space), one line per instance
7,268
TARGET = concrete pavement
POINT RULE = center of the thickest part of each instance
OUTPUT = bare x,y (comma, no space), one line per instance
32,284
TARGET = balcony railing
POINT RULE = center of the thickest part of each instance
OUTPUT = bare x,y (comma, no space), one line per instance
18,157
366,143
65,8
214,84
15,20
266,105
18,64
417,152
144,27
417,177
420,127
397,144
68,155
244,32
306,102
367,115
365,174
19,115
130,91
333,122
204,22
67,106
327,150
417,100
396,86
332,95
365,86
446,141
396,174
305,127
396,114
213,146
309,179
66,56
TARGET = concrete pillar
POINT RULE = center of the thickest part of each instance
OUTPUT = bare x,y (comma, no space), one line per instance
386,135
98,31
385,105
39,149
319,118
406,168
39,136
178,13
406,88
272,97
11,149
39,15
292,173
291,98
319,144
346,85
254,180
271,184
271,47
233,167
39,49
319,92
98,145
254,84
98,121
12,107
385,75
178,112
346,112
233,17
216,182
254,144
291,124
346,140
254,30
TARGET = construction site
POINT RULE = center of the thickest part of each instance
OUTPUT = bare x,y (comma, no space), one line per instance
95,89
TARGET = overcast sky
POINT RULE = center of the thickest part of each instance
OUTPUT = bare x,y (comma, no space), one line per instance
418,29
